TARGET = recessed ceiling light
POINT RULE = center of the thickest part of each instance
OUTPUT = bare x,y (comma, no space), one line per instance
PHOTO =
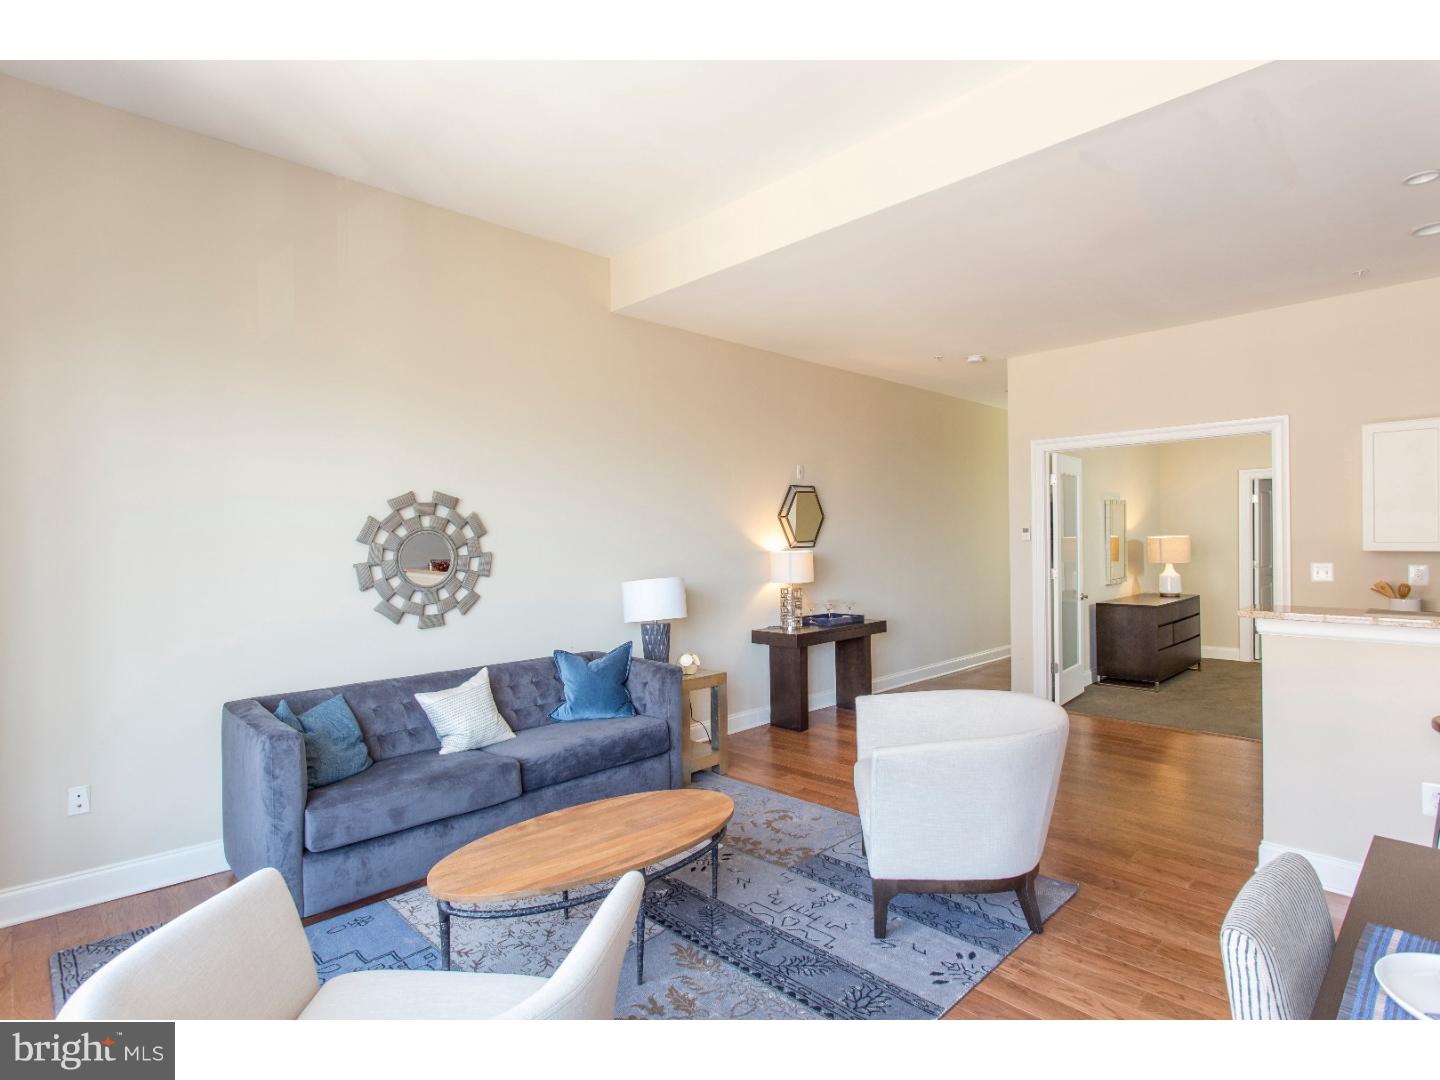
1415,179
1433,229
975,358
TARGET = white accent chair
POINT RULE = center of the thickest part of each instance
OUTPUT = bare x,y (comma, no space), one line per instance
243,955
956,789
1276,942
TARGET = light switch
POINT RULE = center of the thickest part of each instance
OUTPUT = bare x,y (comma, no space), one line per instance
1322,571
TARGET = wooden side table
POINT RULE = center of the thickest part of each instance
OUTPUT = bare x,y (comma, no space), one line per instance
717,756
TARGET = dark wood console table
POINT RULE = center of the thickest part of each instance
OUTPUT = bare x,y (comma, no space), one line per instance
790,671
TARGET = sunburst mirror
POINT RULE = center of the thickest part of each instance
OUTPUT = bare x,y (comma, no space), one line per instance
424,559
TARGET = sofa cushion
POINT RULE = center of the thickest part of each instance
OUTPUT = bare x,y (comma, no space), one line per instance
401,792
526,692
465,717
594,689
334,747
559,752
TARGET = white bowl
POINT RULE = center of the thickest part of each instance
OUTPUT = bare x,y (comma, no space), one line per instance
1412,979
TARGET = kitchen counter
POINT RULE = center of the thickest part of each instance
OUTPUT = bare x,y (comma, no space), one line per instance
1428,620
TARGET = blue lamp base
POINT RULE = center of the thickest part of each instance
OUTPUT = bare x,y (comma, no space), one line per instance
655,639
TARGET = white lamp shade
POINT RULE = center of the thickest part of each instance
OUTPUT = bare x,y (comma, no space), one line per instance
793,566
1167,549
654,599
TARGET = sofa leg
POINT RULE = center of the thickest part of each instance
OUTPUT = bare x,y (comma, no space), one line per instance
881,893
1030,903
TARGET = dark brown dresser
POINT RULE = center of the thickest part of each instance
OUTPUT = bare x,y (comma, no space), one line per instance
1146,637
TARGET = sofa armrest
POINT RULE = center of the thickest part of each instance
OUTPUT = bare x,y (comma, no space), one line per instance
263,793
655,688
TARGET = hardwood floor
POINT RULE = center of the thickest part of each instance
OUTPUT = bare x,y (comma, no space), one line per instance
1160,828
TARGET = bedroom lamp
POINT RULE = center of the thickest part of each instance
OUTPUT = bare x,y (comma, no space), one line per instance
1168,550
791,568
653,602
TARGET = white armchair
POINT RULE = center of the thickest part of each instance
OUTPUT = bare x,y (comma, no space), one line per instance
956,788
243,955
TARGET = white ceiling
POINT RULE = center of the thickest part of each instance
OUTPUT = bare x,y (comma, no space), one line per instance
1267,189
598,155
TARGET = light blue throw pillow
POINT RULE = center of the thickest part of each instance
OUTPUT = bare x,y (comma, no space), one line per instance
334,747
594,689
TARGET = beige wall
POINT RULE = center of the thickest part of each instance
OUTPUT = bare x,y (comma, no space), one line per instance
216,364
1129,473
1200,498
1330,365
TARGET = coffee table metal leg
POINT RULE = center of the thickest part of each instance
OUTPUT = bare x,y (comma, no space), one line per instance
640,942
566,897
444,937
715,869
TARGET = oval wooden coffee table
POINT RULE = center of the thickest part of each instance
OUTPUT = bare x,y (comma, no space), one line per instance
577,847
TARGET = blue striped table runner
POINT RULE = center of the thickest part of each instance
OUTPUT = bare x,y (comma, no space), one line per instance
1364,999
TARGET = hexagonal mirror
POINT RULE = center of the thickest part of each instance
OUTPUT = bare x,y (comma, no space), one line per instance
801,516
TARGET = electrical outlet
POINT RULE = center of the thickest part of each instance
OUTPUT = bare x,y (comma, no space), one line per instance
1419,575
1429,799
1322,571
77,800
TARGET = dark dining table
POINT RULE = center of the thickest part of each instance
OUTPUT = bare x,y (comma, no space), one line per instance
1399,886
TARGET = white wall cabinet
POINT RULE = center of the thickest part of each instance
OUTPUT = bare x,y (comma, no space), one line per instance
1402,485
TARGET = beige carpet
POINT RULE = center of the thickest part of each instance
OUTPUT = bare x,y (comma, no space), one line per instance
1223,698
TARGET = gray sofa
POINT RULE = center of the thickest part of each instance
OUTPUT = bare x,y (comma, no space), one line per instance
388,825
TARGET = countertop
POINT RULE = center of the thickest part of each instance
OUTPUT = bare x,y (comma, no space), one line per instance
1428,620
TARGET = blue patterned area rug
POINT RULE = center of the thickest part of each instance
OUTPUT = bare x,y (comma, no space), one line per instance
790,938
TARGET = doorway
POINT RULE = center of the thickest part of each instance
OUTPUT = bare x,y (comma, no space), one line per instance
1061,587
1256,562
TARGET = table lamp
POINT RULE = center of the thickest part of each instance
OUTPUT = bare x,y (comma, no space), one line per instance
790,568
1168,550
653,602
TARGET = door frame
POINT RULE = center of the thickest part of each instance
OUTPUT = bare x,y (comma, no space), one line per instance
1247,555
1277,427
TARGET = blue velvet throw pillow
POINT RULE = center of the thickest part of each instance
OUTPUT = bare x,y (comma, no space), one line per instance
594,689
334,747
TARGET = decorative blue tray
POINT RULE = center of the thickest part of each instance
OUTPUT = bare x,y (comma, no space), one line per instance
831,618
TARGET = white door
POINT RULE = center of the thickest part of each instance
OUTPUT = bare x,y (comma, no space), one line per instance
1257,552
1070,648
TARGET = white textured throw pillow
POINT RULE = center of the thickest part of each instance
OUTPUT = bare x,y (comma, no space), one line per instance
465,716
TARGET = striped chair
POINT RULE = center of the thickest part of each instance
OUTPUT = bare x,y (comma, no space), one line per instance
1276,942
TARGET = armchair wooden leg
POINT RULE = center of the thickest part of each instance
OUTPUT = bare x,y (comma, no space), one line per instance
881,893
1030,903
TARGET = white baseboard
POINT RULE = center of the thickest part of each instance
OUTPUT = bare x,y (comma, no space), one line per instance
934,671
1219,652
22,903
1337,875
759,717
